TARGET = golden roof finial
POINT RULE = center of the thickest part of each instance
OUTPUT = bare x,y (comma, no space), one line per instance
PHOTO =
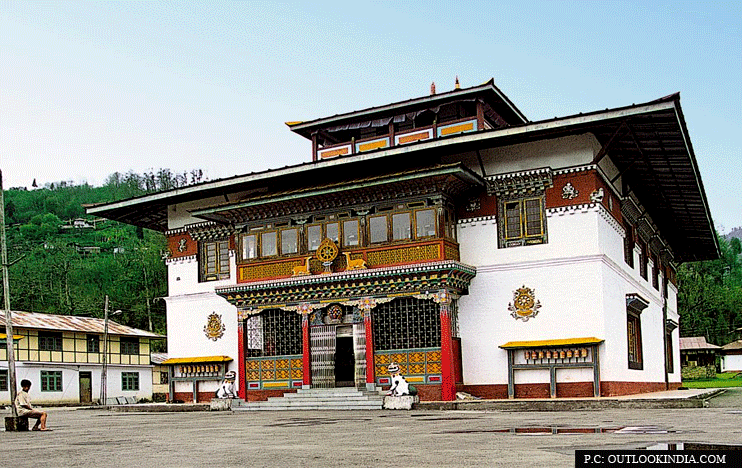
457,85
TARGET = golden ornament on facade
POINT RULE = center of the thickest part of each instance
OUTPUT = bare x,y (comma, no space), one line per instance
524,305
214,328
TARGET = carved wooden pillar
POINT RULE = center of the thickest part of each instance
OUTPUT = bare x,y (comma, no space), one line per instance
366,305
448,377
306,352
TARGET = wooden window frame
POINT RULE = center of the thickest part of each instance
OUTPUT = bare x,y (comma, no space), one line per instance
387,224
634,332
261,243
321,235
130,382
218,273
241,245
50,341
129,346
435,222
358,232
280,241
507,240
92,343
628,244
411,225
55,378
4,386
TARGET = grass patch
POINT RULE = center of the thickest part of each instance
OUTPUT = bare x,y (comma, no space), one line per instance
727,379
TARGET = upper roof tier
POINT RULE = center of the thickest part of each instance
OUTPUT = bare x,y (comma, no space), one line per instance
648,143
467,110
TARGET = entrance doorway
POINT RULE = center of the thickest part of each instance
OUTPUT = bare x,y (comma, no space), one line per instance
86,387
333,356
345,366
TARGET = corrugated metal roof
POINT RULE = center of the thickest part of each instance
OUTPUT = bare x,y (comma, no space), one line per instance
695,342
72,323
733,345
157,358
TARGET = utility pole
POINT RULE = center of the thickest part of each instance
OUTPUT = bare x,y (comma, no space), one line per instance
103,376
6,304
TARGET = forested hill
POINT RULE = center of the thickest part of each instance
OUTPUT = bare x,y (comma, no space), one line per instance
65,262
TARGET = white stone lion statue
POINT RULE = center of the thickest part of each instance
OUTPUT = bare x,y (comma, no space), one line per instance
228,388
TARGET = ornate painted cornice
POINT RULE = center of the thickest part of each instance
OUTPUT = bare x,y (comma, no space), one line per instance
208,230
409,280
517,184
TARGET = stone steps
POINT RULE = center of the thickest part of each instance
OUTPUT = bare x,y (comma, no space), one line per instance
317,399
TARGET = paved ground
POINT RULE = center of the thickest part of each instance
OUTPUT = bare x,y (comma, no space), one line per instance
419,438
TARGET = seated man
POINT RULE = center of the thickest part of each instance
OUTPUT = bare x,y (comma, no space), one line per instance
24,408
400,386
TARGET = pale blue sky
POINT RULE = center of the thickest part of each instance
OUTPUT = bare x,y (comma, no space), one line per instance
91,88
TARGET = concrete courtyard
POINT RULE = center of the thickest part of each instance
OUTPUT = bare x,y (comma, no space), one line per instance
418,438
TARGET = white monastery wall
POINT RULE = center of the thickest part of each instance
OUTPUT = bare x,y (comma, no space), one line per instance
556,153
565,274
581,281
187,315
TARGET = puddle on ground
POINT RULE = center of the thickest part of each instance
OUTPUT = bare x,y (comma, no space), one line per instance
555,430
294,422
692,446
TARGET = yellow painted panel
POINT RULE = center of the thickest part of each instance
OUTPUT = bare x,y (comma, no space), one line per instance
56,356
144,347
115,359
275,384
420,378
335,152
414,137
457,128
68,344
114,347
33,342
68,356
372,145
4,354
34,356
95,358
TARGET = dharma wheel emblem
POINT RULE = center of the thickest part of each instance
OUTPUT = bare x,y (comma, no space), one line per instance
214,329
524,305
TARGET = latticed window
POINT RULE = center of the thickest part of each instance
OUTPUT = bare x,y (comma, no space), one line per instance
3,380
273,332
50,341
93,343
215,260
407,323
628,244
130,346
635,341
522,222
130,381
51,381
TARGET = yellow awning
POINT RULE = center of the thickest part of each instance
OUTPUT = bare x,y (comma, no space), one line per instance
15,337
193,360
545,343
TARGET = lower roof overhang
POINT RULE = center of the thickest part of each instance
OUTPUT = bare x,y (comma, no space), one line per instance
196,360
408,280
551,343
